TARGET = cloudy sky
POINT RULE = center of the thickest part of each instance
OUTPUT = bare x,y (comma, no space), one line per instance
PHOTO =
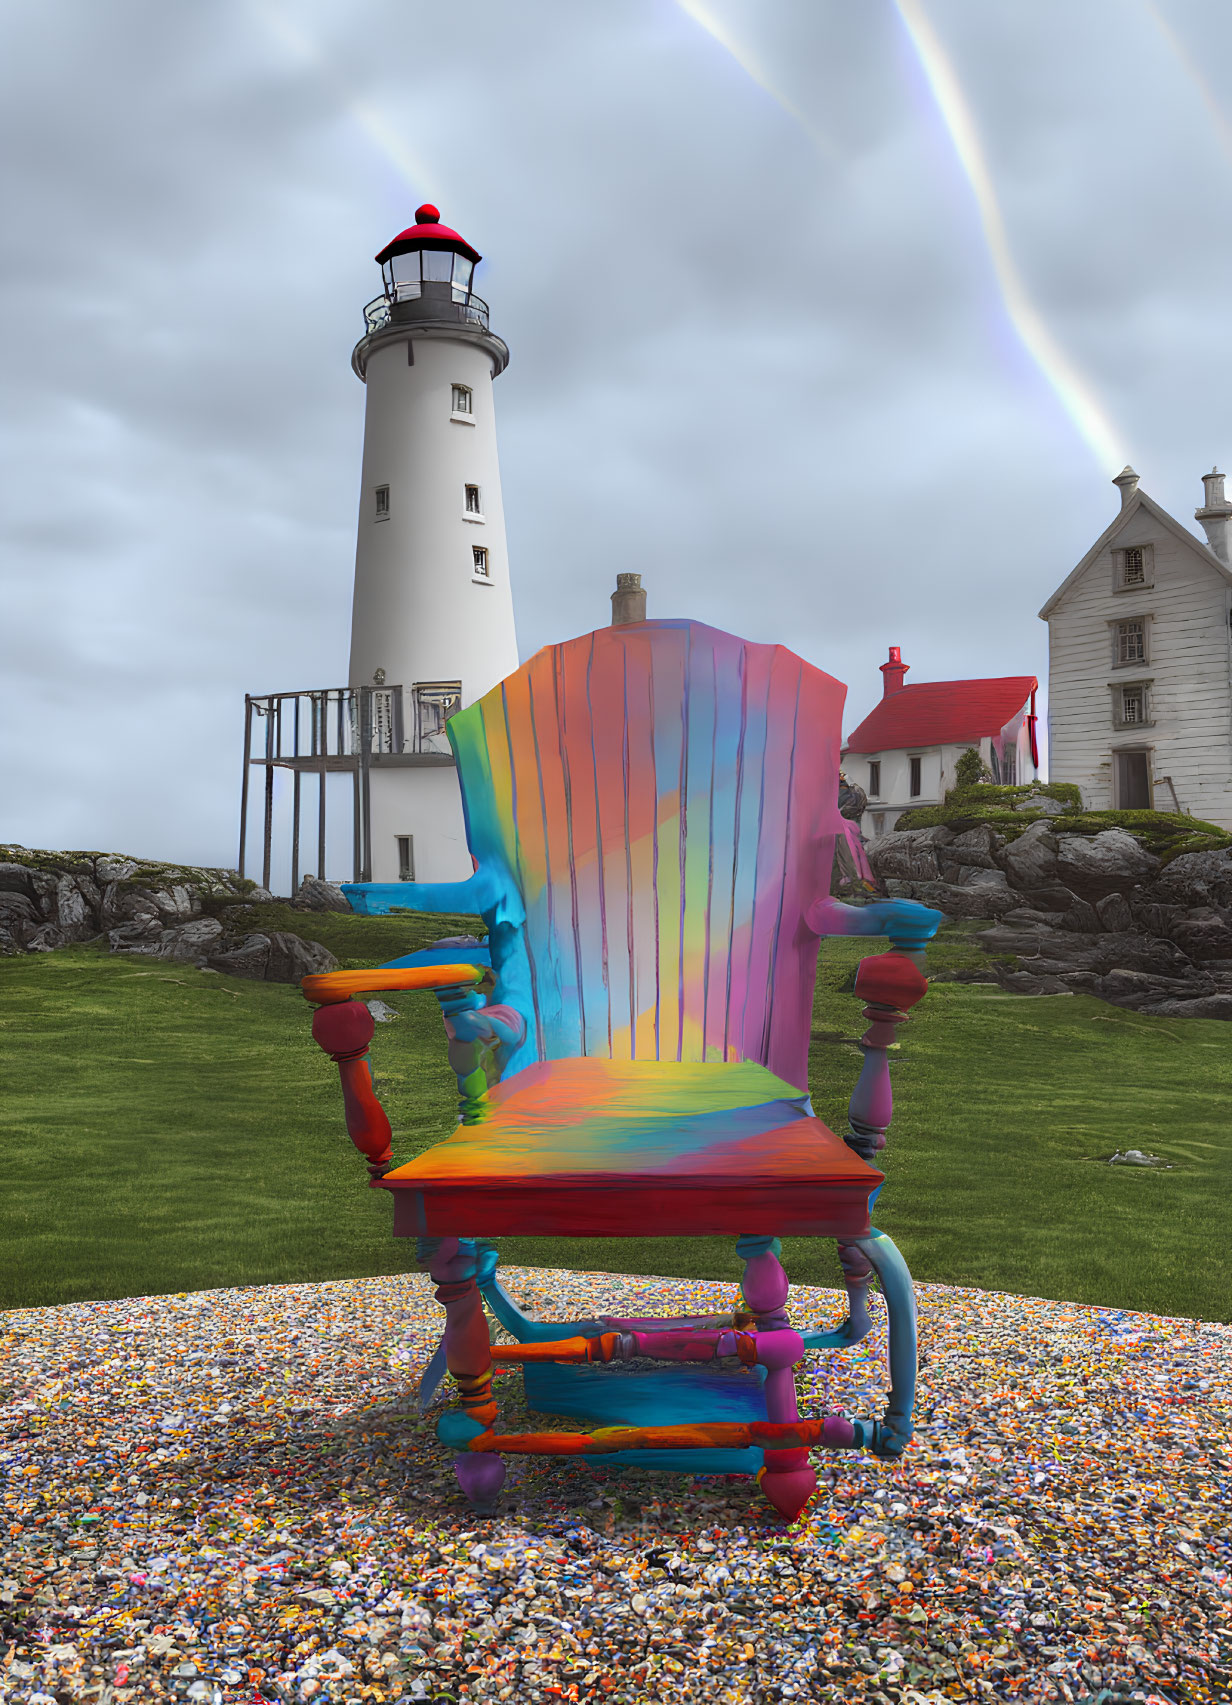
834,318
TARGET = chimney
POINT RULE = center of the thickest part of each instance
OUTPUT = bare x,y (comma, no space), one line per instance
1214,514
628,601
1127,479
892,672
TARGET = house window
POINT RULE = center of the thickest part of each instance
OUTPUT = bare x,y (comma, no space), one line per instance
472,500
916,766
382,503
1133,705
874,778
462,399
1009,766
879,818
481,561
1130,642
406,858
1133,566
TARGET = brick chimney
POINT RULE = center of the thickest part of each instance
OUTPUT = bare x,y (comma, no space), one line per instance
628,601
1214,514
892,672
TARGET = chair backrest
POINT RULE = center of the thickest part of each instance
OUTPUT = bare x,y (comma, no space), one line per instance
663,797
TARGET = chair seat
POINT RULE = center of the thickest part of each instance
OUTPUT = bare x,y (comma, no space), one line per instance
622,1148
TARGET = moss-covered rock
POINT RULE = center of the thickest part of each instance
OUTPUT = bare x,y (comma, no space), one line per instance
1012,810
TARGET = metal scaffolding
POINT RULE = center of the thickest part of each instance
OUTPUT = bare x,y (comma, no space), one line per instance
329,730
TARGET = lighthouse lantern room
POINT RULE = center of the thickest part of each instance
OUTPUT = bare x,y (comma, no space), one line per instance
432,617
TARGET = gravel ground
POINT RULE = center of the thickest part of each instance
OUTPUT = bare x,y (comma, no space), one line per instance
225,1497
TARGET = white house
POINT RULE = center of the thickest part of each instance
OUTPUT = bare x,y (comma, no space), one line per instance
904,752
1140,662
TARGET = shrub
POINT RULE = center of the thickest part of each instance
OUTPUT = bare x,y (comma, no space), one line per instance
971,769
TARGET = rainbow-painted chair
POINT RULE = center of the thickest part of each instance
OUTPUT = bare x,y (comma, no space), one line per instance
652,812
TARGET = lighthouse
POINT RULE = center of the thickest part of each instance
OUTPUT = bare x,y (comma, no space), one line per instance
432,614
432,619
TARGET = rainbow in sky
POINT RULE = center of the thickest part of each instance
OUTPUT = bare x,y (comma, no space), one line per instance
1074,392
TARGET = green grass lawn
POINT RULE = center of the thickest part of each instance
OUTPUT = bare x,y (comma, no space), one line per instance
167,1129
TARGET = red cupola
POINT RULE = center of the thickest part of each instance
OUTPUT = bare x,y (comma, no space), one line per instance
428,253
427,233
427,272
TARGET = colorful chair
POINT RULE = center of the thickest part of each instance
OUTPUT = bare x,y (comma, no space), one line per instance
652,811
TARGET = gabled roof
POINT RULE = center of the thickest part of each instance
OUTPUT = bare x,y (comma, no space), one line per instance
942,713
1137,502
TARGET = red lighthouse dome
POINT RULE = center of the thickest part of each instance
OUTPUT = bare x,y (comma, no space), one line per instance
427,233
428,259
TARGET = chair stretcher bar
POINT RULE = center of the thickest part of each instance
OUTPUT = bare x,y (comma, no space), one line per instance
832,1432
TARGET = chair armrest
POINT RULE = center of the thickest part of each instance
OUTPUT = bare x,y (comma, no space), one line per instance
374,898
908,925
329,986
343,1028
490,893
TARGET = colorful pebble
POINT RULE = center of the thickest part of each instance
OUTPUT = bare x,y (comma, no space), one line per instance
227,1497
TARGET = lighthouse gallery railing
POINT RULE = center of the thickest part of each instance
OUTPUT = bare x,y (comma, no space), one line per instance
329,730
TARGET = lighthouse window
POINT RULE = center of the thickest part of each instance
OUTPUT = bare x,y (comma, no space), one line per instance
472,500
437,266
481,562
404,270
382,503
435,703
462,270
462,399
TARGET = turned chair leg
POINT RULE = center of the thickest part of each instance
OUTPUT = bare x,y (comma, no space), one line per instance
894,1432
787,1479
454,1266
857,1277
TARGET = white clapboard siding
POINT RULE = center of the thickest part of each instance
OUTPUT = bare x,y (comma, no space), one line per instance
1188,666
936,776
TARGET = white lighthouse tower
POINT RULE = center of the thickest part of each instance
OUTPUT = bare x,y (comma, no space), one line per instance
432,621
372,782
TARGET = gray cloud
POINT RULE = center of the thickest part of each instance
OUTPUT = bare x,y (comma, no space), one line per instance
775,377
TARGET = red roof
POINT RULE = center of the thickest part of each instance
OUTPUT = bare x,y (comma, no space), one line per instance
942,713
427,232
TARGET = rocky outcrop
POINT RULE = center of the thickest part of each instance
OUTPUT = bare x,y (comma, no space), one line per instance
1110,862
182,913
1092,914
314,895
273,958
